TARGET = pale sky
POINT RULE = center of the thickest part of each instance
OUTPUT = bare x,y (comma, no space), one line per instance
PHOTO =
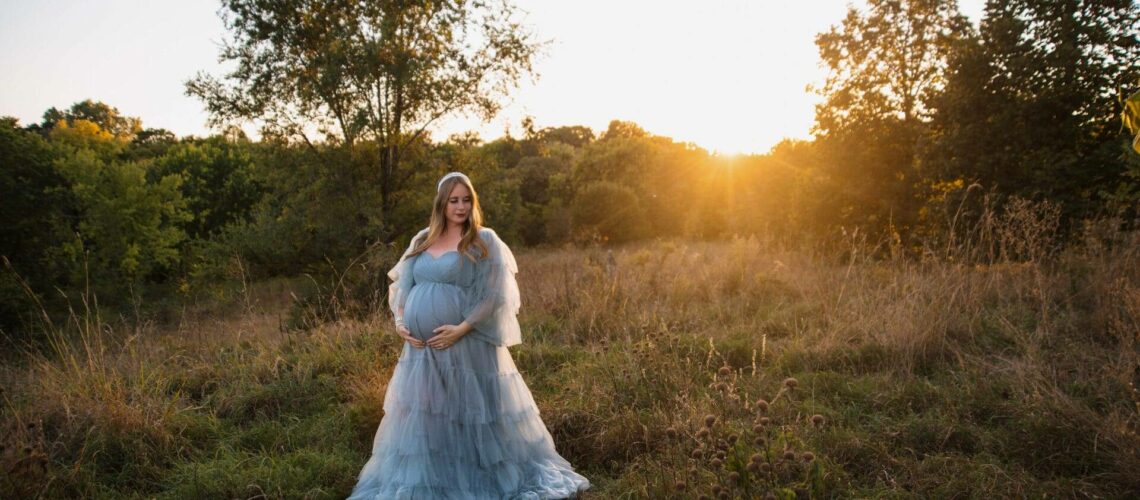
728,75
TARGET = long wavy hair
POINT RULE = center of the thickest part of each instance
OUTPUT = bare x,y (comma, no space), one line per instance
438,222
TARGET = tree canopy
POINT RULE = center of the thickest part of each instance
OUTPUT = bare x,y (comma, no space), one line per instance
381,71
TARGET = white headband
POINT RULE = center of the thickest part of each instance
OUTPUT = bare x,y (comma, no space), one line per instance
448,176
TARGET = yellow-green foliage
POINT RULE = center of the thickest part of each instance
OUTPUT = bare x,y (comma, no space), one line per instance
667,369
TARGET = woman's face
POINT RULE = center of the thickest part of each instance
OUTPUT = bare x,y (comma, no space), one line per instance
458,205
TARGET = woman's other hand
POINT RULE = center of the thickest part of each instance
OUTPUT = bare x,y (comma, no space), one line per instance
403,331
447,335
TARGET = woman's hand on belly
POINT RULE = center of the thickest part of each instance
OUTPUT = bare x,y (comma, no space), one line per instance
404,332
447,335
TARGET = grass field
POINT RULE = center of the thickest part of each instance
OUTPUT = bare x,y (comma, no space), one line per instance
670,369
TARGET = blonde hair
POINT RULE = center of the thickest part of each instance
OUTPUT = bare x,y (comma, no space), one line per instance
438,222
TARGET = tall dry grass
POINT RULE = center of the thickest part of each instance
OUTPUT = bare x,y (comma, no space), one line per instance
1000,365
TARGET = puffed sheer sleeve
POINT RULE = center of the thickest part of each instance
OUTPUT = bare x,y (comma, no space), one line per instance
402,280
492,301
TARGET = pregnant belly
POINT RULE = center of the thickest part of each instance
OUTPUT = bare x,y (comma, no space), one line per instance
431,305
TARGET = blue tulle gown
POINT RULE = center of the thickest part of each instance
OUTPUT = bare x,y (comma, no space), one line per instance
460,423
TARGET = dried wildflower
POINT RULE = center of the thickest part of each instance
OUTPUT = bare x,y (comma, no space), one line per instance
752,467
27,450
765,468
716,489
723,495
791,383
734,476
716,463
692,471
817,420
703,433
789,455
757,428
721,386
720,454
671,433
732,438
770,496
761,405
697,453
808,456
758,441
765,421
680,486
31,425
709,420
704,497
756,458
724,371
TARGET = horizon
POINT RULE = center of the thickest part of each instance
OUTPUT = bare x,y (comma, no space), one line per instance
742,92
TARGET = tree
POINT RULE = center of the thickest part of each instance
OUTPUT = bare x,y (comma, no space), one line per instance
381,71
218,184
105,116
885,67
34,211
1030,105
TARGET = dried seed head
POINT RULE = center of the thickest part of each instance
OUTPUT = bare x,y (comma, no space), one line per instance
817,420
692,471
709,420
716,489
732,438
704,497
680,486
703,433
31,425
758,428
764,467
791,383
27,450
716,463
770,496
724,371
721,386
808,456
765,421
759,441
723,495
756,458
752,467
789,455
734,476
720,454
671,432
697,453
761,405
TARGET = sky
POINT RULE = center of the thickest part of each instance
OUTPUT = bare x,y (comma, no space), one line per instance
727,75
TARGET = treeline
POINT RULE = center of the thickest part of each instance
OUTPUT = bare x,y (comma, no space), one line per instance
928,123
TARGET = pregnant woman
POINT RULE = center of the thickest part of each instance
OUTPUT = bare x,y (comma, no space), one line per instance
459,422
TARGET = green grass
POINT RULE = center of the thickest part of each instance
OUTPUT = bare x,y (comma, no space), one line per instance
931,380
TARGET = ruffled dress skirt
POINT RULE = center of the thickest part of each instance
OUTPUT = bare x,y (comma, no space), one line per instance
460,423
